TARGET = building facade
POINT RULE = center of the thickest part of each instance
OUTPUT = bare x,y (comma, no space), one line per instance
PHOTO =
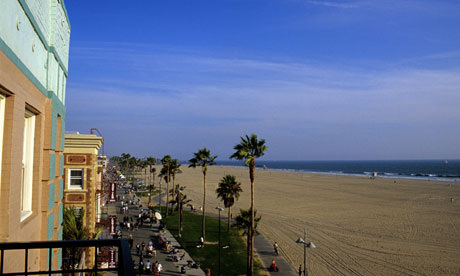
34,49
82,173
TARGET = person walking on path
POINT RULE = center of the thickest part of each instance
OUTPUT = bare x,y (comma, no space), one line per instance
141,266
158,268
300,270
147,266
276,248
130,241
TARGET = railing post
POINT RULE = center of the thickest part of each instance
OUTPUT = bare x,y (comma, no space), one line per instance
95,259
26,261
50,253
73,260
125,262
1,260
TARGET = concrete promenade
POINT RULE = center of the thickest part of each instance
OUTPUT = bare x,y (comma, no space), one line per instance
148,232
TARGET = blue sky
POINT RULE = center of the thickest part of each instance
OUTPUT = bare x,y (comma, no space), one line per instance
319,80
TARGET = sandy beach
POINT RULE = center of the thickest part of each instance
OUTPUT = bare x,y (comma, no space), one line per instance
360,226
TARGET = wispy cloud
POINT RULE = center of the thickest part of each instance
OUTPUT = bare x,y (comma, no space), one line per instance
334,4
159,97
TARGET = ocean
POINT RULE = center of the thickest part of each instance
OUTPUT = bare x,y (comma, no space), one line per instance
444,170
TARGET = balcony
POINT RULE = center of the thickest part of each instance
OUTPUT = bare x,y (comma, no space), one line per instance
120,262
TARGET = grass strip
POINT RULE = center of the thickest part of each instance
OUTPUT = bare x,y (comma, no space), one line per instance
233,257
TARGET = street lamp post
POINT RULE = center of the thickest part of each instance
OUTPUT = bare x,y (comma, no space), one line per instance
220,209
305,246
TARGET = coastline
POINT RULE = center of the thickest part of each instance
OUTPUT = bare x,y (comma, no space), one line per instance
425,177
384,225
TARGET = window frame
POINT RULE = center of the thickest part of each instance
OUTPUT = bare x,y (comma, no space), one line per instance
69,179
27,172
2,126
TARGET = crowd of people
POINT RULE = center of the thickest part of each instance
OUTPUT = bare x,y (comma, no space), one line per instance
131,223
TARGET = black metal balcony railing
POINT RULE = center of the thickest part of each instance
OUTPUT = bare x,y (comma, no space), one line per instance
123,266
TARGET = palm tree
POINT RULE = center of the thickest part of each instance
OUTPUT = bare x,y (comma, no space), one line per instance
160,176
183,200
125,159
243,220
248,150
152,172
142,163
247,220
203,159
151,161
166,171
180,199
229,190
132,165
73,229
175,169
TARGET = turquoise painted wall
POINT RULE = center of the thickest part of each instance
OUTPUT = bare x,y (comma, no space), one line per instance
61,189
59,264
52,172
61,168
35,35
61,213
50,226
51,195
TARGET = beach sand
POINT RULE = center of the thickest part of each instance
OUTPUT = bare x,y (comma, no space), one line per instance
360,226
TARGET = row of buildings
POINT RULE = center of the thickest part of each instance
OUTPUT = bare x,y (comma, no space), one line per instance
42,169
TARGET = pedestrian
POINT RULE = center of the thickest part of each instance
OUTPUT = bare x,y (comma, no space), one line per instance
159,268
130,241
138,248
276,248
141,266
147,266
208,272
300,270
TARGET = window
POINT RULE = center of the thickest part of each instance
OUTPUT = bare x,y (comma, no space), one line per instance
75,179
27,164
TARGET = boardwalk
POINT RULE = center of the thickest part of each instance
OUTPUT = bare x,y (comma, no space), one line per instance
148,232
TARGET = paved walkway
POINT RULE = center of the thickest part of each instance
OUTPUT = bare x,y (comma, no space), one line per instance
151,232
265,251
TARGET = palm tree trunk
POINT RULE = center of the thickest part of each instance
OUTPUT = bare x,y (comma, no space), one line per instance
167,195
159,195
180,215
249,267
174,192
229,216
203,226
145,176
150,194
251,237
150,183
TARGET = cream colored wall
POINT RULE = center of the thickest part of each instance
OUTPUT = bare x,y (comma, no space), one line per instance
11,228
